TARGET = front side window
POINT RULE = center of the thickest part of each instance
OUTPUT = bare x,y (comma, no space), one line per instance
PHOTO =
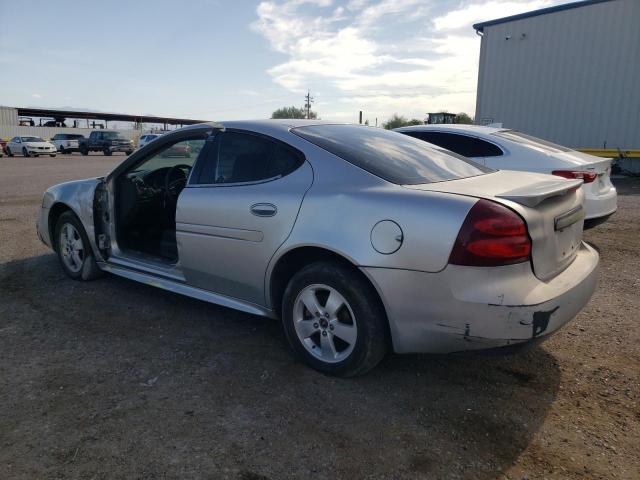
392,156
236,157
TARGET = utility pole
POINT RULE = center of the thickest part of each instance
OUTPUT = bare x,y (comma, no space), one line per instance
308,100
360,118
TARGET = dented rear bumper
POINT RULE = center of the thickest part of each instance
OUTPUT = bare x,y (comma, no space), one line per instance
474,308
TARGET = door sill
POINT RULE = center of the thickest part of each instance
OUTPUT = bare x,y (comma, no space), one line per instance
177,286
147,264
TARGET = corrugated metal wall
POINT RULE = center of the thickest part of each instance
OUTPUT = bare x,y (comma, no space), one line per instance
8,116
572,77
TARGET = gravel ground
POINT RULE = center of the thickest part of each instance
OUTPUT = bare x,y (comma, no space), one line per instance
113,379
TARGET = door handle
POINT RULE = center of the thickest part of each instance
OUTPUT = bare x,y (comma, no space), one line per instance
263,209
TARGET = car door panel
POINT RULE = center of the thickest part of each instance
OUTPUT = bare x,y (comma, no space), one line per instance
227,234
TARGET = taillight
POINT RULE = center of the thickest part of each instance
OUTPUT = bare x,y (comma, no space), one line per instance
587,177
491,235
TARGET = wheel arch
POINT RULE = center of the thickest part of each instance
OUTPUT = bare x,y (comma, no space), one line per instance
297,258
56,210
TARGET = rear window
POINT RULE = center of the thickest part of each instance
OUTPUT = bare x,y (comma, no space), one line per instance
392,156
530,141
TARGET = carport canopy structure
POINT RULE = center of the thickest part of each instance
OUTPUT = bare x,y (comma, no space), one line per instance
62,115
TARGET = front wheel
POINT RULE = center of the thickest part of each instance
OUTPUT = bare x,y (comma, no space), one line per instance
106,151
73,249
334,320
25,152
129,152
9,152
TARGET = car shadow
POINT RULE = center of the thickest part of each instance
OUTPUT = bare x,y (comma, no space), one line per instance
92,371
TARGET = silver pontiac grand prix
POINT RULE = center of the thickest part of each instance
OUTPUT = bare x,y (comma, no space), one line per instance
358,238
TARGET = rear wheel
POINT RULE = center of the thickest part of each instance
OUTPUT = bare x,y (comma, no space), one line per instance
334,320
84,151
73,248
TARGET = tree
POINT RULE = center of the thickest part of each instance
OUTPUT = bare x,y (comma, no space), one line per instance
292,112
464,118
397,121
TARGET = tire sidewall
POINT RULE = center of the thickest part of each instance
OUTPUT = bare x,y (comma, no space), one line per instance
370,318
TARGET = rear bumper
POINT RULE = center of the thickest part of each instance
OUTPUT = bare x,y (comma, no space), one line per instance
475,308
600,205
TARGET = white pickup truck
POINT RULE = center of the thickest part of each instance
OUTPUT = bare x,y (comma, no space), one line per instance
67,142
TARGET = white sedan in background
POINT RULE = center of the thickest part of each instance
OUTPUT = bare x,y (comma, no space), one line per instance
30,146
149,137
505,149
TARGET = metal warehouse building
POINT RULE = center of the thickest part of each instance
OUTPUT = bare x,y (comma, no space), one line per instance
569,74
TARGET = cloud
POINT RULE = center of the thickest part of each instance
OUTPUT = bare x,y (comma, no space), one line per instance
36,95
385,56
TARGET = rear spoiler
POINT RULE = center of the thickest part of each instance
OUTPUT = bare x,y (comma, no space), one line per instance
532,195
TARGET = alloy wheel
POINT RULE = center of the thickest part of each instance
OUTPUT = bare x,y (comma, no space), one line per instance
325,323
71,248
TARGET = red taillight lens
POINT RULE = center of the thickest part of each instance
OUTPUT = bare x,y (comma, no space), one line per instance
587,177
491,235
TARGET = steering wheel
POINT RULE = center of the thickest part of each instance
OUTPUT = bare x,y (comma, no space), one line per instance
174,181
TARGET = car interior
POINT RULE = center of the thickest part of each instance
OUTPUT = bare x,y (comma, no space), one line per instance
146,197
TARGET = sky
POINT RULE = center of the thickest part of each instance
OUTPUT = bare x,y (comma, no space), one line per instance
226,60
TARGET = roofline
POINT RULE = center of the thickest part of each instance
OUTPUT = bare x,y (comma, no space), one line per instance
479,27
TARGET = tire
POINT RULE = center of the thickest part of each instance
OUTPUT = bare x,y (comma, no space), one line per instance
84,151
77,263
129,152
312,337
25,152
106,151
9,152
53,155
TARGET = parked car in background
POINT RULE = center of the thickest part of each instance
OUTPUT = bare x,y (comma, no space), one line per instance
67,142
358,238
3,146
505,149
144,139
30,146
107,142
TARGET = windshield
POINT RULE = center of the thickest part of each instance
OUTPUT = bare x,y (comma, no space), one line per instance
530,141
113,135
31,139
392,156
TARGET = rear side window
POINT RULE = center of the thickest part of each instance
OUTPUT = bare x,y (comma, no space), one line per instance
237,157
461,144
392,156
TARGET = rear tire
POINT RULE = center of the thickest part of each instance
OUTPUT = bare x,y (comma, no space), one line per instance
73,248
84,151
347,334
53,155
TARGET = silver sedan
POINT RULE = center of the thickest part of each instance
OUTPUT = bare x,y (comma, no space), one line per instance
361,240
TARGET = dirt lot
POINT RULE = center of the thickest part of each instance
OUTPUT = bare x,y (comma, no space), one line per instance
112,379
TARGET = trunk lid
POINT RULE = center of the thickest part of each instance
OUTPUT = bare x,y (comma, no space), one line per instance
552,208
590,163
